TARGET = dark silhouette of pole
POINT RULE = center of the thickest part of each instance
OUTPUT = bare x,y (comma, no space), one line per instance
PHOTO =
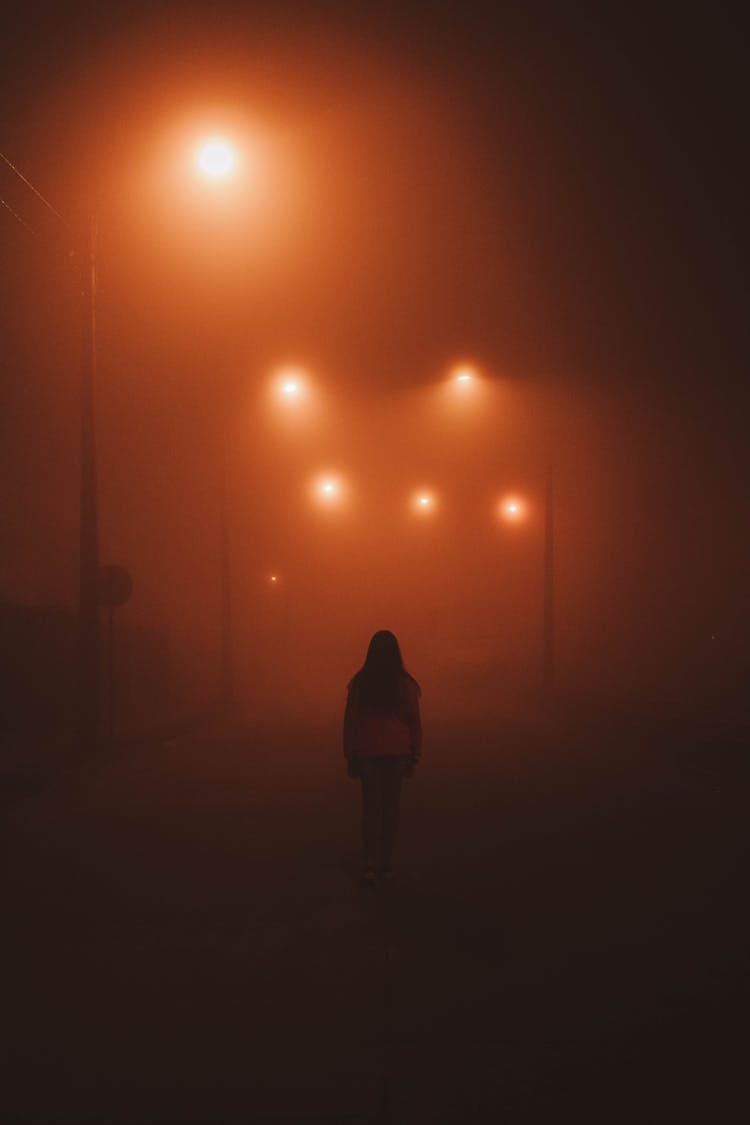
548,638
226,683
111,673
88,604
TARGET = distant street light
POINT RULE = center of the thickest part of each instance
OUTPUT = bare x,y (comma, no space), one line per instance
512,509
464,391
464,375
424,502
291,386
328,490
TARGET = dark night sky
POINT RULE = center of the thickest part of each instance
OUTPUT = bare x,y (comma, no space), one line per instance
561,198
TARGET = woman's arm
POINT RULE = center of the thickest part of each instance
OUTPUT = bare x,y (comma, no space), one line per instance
350,728
414,721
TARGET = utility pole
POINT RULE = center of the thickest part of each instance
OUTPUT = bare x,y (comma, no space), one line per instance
88,604
226,684
548,630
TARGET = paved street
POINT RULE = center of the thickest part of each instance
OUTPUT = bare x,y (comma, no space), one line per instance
186,940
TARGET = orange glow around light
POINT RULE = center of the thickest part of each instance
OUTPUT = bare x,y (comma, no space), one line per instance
328,489
291,387
424,502
215,158
464,391
512,509
464,376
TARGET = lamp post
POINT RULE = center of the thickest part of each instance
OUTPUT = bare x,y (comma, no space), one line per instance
89,681
512,509
88,599
215,160
226,672
548,624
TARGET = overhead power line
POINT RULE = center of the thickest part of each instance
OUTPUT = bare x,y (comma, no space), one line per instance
4,203
36,191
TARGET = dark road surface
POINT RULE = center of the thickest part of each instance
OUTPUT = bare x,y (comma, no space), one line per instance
186,940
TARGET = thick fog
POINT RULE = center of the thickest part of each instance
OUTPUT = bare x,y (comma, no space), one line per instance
388,223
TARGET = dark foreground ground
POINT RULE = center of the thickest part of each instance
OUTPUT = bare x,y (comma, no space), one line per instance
185,939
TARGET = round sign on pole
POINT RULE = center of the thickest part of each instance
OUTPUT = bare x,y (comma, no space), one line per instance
114,585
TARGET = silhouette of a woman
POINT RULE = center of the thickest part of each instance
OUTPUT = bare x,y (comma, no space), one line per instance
382,745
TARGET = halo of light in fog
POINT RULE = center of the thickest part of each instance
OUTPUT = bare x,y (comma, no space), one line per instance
216,157
512,509
464,376
462,391
423,502
328,489
291,387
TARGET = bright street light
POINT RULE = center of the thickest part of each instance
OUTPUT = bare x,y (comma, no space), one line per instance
464,375
512,509
463,391
328,489
291,386
423,502
215,157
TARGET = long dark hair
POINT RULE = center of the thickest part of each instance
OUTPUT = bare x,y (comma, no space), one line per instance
379,682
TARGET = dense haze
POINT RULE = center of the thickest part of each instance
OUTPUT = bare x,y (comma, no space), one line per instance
555,205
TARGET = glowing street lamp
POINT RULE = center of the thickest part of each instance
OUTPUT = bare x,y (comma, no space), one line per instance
216,158
328,490
512,509
291,386
424,502
464,376
463,390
